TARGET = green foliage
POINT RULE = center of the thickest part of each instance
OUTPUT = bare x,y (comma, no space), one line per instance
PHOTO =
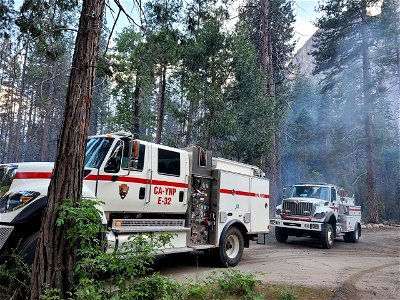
86,226
235,282
50,294
14,275
287,294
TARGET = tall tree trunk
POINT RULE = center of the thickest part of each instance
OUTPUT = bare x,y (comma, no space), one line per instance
267,66
160,103
17,128
28,139
136,109
372,203
55,258
48,108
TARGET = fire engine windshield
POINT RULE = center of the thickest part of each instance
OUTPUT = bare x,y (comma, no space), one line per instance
309,191
96,151
7,173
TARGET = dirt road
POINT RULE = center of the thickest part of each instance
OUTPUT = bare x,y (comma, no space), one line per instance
367,270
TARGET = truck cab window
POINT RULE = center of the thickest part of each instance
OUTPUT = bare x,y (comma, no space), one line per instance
114,162
333,195
96,151
136,164
169,162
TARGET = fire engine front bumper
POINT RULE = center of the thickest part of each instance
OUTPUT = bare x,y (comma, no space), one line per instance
294,224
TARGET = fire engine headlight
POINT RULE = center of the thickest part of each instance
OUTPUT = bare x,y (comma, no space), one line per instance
14,200
319,215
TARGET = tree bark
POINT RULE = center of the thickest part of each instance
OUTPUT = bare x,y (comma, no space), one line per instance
371,201
17,128
136,109
48,107
161,103
55,258
267,66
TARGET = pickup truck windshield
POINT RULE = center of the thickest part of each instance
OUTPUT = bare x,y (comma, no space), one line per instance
96,151
310,191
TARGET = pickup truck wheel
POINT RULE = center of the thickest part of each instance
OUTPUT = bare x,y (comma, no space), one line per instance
354,236
28,247
231,247
281,234
327,236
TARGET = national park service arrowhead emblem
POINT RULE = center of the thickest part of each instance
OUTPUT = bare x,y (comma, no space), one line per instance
123,190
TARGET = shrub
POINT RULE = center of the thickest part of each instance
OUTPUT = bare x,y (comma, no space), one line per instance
287,294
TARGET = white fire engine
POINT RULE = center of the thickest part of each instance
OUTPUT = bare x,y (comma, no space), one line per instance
319,211
203,202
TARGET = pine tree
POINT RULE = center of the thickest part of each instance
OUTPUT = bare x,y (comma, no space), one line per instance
54,260
346,39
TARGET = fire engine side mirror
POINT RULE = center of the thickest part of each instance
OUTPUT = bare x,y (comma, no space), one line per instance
135,150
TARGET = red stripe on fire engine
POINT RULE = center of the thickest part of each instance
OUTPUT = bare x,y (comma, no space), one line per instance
355,209
33,175
242,193
137,180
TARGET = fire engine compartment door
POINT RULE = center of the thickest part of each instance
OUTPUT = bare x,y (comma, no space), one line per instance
234,198
259,204
169,180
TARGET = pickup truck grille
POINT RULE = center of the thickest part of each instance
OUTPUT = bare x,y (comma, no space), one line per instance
296,208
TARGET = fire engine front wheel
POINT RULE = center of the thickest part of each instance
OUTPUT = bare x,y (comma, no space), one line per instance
231,247
281,234
327,236
28,248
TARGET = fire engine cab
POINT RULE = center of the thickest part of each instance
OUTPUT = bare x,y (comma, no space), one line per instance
204,202
321,211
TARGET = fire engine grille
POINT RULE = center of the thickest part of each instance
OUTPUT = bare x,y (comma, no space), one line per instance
148,222
5,232
297,208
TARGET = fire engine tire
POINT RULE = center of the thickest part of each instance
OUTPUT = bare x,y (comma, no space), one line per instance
354,236
28,247
281,234
327,236
231,247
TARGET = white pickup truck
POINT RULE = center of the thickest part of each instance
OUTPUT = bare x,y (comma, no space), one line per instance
320,211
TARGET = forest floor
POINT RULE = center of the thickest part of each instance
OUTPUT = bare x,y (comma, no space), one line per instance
369,269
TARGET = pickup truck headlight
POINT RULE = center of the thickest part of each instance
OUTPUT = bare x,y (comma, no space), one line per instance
278,212
14,200
319,215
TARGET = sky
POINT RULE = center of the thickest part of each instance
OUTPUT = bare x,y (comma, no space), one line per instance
305,13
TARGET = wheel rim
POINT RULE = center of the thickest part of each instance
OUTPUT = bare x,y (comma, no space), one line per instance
356,234
330,236
232,246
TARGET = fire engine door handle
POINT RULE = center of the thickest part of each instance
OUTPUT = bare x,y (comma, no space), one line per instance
149,181
181,194
142,193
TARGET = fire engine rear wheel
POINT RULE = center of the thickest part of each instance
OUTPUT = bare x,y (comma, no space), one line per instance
281,234
231,247
327,236
28,247
353,237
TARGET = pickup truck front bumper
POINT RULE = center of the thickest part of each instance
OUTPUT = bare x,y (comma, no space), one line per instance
297,224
